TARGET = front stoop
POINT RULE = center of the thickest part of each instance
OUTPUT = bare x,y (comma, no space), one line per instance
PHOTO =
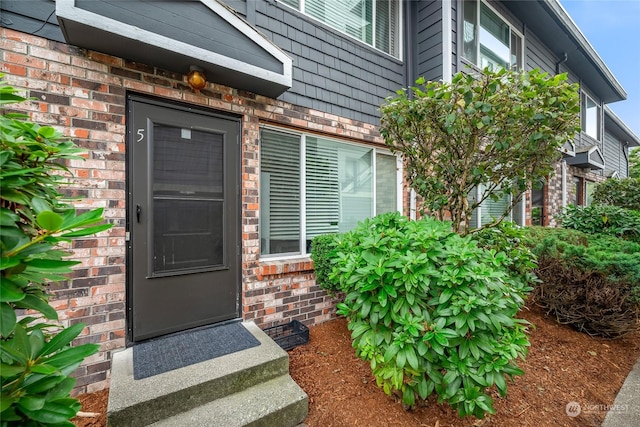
247,388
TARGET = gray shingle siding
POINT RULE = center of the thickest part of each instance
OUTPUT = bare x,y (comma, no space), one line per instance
29,17
332,72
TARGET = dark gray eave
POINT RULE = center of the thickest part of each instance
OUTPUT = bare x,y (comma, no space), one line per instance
614,125
269,73
587,158
555,28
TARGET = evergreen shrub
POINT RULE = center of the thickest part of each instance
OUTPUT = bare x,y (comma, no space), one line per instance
322,252
432,311
589,281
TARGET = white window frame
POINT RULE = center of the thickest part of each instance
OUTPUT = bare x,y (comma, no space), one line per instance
398,34
303,174
519,219
583,116
513,30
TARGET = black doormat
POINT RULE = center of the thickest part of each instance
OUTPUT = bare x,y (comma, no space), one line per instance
186,348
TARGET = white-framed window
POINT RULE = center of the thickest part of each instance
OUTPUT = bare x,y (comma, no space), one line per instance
591,117
374,22
488,40
310,185
489,210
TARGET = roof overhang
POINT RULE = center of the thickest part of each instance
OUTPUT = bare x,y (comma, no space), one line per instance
229,50
616,126
554,27
587,158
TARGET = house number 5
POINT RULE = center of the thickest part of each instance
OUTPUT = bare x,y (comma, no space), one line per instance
140,135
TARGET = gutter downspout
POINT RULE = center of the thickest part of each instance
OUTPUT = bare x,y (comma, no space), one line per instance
410,78
564,59
563,165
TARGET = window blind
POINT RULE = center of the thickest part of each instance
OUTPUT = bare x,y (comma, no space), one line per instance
386,185
353,17
280,192
322,187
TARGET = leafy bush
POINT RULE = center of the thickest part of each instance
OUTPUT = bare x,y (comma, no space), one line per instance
624,193
591,282
490,133
431,311
36,357
322,252
603,219
520,261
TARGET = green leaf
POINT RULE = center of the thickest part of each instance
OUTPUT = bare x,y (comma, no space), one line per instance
10,292
61,339
8,371
8,218
62,390
445,296
401,358
43,369
39,205
52,265
501,384
87,231
20,344
36,341
55,412
31,403
5,402
49,221
412,358
72,355
6,262
35,303
86,218
42,383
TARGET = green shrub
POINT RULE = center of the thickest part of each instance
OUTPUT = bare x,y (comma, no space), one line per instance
520,261
603,219
624,193
322,252
36,357
431,311
591,282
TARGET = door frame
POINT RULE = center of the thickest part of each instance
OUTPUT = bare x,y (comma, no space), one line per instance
236,223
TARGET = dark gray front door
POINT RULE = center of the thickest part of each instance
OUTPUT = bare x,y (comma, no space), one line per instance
184,246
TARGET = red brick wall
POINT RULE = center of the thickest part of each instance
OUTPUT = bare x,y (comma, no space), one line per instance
82,93
553,198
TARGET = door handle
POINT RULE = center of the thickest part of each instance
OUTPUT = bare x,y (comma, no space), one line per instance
138,212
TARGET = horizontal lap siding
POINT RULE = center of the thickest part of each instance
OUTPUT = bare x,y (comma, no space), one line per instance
429,40
614,156
332,72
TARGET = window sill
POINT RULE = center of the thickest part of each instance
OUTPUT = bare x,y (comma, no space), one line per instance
272,268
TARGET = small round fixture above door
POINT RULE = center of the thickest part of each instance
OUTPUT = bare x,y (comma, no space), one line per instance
196,78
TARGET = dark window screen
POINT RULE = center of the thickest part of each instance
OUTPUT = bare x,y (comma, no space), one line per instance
188,199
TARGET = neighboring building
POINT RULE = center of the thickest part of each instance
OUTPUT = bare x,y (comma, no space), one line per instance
229,184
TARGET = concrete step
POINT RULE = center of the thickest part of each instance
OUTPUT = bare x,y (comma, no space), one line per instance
143,402
278,402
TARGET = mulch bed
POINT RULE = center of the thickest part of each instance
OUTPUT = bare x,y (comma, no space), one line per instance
563,366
